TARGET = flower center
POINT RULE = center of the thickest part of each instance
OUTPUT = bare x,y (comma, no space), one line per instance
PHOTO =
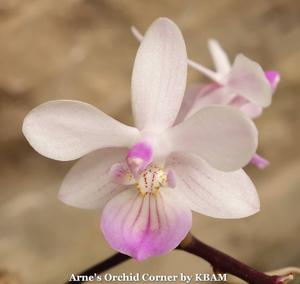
151,180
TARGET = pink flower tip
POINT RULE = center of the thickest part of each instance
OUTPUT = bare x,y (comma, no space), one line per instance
259,161
273,78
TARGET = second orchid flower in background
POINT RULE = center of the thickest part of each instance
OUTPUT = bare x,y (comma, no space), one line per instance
244,85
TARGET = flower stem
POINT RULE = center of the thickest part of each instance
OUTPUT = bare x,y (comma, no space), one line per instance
103,266
223,263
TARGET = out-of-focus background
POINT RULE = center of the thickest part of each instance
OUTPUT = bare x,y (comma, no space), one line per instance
83,50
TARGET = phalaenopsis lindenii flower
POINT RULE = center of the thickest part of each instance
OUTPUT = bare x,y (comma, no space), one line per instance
243,85
148,178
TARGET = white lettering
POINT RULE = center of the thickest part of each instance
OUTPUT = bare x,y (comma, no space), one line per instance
82,278
222,277
185,278
159,278
210,277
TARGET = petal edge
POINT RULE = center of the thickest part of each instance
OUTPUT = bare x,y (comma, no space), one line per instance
66,130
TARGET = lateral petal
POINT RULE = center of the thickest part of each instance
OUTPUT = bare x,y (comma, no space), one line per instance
89,184
211,192
66,130
222,135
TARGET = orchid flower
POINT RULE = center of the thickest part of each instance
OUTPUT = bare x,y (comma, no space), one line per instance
243,85
148,178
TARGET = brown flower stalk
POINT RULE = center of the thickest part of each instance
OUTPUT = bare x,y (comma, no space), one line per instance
224,263
219,261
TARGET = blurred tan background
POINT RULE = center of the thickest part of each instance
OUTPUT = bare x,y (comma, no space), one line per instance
83,49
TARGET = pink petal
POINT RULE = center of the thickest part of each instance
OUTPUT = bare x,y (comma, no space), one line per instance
222,135
145,225
219,56
248,80
211,192
159,76
273,78
67,130
259,161
88,184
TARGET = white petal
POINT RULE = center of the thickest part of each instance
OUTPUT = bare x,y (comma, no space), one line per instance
214,95
222,135
200,96
212,192
219,56
66,130
207,72
188,102
88,184
145,225
159,76
248,79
